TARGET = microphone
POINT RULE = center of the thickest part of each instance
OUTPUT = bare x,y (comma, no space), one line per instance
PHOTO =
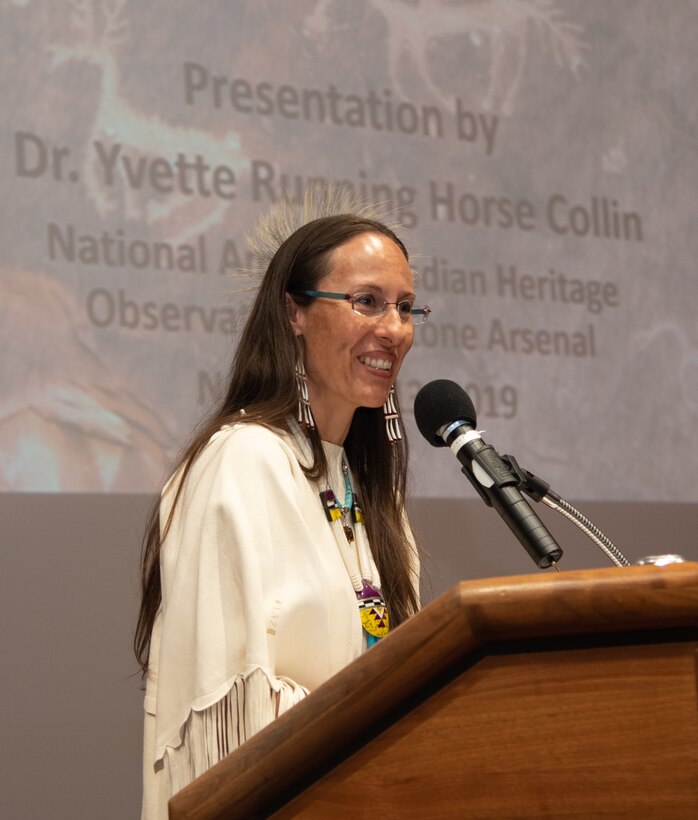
445,416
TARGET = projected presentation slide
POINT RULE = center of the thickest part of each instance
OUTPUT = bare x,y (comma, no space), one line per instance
545,191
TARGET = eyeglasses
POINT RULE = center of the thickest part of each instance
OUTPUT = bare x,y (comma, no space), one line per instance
368,304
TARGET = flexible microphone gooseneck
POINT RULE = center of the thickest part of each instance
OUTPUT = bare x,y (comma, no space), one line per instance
445,416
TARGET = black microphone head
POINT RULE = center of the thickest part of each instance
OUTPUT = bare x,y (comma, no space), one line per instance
439,403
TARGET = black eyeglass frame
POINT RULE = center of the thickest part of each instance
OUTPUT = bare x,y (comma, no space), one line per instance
418,315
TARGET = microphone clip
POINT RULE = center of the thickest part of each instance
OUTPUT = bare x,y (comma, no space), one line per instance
488,469
534,487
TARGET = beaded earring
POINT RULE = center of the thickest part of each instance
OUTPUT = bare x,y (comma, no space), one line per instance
305,413
392,418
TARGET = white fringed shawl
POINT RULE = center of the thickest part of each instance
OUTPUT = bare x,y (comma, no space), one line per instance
253,701
257,605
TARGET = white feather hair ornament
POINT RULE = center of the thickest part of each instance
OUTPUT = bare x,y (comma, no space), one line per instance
288,215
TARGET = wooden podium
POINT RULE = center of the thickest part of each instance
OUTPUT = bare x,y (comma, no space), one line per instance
551,695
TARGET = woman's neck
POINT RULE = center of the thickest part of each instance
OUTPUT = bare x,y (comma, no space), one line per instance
332,426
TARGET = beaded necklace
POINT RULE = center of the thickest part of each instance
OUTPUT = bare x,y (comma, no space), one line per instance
343,518
349,511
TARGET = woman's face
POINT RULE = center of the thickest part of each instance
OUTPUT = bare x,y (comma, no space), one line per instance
353,360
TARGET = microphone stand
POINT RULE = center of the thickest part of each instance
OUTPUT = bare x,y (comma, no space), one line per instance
539,490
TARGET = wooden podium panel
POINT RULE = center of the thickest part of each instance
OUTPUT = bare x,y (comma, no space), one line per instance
579,732
554,695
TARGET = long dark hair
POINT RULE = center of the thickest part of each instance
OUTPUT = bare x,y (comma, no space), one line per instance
262,382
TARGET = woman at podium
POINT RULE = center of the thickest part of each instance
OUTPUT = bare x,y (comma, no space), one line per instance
280,549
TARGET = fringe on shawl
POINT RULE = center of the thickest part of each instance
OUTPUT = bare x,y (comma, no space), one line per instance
251,703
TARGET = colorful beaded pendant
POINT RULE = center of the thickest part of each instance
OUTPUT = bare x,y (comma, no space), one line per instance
373,612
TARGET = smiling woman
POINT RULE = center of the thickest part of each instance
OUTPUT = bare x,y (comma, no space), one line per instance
280,549
352,358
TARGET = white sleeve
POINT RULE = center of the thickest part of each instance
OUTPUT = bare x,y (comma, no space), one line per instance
257,606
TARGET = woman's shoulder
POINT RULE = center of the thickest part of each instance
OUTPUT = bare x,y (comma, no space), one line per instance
243,449
249,441
248,432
